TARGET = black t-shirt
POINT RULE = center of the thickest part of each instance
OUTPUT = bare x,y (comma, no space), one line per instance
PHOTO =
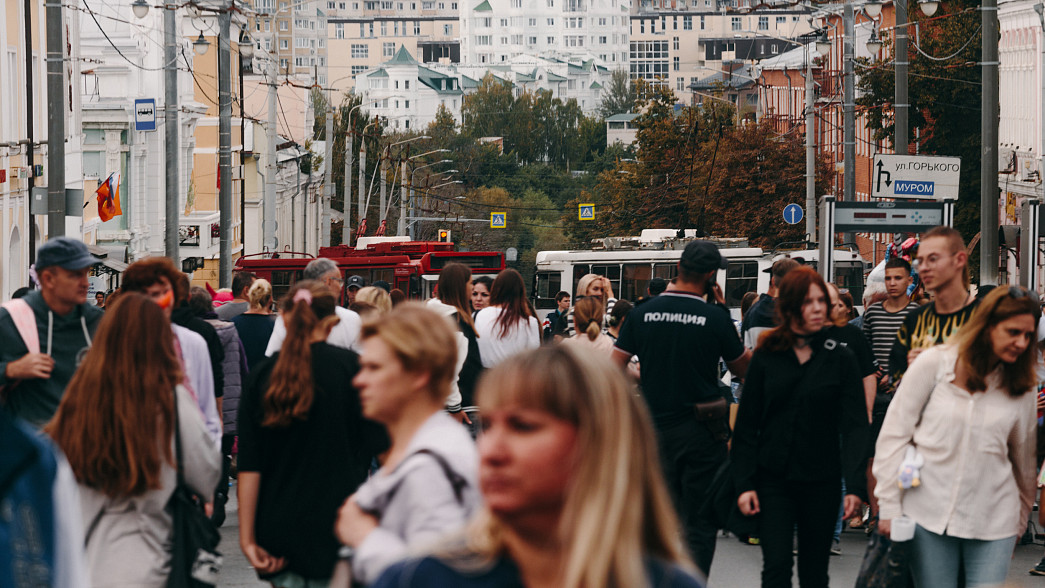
309,468
254,330
852,337
924,328
679,339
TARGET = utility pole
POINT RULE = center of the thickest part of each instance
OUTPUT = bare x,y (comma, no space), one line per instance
362,180
401,229
849,121
384,181
272,167
810,151
900,100
225,147
328,186
55,120
346,207
170,133
30,116
989,148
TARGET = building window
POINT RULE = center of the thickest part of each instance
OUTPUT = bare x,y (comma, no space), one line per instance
483,40
551,40
371,29
384,28
406,104
675,43
780,20
504,22
531,40
649,61
573,40
532,22
642,26
360,51
680,84
448,29
675,63
735,23
358,69
283,26
763,23
388,49
395,28
386,5
417,27
674,23
702,23
485,22
284,44
551,22
602,22
602,41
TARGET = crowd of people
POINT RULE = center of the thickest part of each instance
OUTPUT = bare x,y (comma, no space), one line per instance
460,441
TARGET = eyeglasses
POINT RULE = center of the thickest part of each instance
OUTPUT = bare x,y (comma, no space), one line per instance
930,261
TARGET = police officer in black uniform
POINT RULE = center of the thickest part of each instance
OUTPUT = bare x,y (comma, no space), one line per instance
679,338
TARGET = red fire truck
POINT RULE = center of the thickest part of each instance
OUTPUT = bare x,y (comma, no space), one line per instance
411,266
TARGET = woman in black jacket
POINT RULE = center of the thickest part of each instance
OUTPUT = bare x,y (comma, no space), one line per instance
802,393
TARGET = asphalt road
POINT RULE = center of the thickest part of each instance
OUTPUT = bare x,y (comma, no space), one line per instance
736,565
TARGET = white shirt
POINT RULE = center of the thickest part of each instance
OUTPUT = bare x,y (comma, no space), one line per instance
345,333
978,481
493,348
196,357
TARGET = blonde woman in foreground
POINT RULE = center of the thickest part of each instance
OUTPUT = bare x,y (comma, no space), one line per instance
571,485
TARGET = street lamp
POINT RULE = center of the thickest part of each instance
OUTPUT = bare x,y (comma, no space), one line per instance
823,43
140,8
200,45
929,7
874,43
873,8
246,45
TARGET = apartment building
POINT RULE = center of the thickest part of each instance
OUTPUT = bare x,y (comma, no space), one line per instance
363,34
680,43
495,31
296,33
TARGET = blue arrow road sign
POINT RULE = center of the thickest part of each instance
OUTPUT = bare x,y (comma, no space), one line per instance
793,214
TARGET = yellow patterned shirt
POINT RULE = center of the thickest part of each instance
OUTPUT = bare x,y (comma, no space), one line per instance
924,328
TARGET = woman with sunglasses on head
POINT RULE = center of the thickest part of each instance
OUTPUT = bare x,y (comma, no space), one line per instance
571,484
966,410
588,316
802,394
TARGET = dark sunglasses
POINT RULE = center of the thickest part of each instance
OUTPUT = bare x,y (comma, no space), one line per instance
1019,292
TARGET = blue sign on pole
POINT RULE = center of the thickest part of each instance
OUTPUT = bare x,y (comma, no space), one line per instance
145,115
793,214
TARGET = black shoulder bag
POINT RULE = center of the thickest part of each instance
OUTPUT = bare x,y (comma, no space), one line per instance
195,561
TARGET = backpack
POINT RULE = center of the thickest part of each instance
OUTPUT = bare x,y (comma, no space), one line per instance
25,321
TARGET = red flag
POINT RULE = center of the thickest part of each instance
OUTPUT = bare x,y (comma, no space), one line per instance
109,197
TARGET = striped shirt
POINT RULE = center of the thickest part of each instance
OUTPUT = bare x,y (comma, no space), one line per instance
880,327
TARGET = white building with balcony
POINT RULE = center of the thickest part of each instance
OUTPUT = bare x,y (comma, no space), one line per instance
493,32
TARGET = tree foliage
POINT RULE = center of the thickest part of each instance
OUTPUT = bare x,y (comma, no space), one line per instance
695,169
620,95
944,96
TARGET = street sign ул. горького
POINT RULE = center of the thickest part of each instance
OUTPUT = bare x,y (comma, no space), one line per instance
915,176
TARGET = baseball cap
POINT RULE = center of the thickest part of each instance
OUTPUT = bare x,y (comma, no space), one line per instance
355,282
383,285
702,256
65,253
781,266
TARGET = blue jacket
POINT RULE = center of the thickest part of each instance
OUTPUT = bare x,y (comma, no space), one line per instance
28,467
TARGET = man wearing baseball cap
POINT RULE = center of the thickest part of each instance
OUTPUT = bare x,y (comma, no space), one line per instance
680,338
34,373
352,285
762,315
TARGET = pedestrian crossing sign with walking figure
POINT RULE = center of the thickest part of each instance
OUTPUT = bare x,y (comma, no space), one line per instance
586,212
498,220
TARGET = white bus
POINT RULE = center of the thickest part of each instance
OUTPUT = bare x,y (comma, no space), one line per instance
630,264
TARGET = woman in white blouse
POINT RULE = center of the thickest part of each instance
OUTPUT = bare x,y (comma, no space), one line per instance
965,407
508,326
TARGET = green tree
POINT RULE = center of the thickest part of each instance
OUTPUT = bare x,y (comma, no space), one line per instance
945,100
484,113
620,95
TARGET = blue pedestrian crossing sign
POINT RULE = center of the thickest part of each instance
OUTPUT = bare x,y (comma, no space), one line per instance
793,214
498,220
586,212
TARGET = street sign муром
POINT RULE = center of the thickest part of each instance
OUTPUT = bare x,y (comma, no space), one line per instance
915,176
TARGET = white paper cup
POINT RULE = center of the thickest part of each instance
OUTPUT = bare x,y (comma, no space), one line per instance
902,529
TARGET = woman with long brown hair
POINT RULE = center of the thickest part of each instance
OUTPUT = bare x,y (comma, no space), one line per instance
116,426
802,393
508,326
454,288
304,445
964,408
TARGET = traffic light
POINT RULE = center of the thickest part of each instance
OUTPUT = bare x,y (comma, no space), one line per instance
444,235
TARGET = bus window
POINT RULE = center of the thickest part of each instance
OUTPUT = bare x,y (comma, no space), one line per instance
741,278
546,287
612,273
282,280
634,279
850,276
579,271
384,273
668,271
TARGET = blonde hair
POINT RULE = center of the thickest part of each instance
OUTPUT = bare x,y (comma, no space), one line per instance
377,297
617,512
259,292
422,340
587,317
